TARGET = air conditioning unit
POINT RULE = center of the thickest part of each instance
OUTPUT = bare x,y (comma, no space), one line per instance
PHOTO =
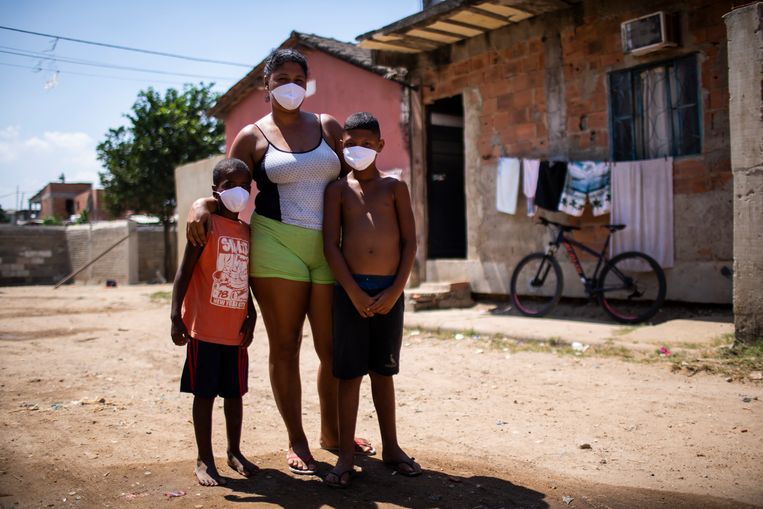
649,33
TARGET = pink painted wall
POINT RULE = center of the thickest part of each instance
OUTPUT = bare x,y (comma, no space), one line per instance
341,89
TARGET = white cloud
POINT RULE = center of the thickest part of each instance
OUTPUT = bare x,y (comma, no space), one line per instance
30,162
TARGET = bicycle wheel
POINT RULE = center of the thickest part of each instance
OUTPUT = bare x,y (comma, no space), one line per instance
536,284
632,287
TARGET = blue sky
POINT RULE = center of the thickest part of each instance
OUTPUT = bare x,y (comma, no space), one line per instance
53,129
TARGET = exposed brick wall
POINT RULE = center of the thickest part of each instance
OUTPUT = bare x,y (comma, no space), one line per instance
508,68
33,255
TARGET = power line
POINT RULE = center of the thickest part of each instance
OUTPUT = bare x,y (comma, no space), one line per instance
120,78
76,61
127,48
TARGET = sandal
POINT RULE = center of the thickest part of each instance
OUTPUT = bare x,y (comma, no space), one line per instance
396,467
309,463
362,448
351,473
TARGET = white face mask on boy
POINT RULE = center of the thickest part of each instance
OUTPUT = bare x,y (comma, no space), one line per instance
234,199
290,96
359,158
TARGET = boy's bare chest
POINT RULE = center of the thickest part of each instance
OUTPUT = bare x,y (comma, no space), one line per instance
377,203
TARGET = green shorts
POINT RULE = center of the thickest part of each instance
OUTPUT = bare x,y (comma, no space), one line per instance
288,252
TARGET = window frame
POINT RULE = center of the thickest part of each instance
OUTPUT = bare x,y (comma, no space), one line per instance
637,108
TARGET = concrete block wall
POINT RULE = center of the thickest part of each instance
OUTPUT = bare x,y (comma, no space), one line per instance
151,253
33,255
89,240
538,89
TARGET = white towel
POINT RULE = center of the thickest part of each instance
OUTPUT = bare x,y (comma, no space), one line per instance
530,169
642,199
507,185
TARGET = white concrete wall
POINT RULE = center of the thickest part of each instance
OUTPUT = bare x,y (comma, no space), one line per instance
192,181
745,47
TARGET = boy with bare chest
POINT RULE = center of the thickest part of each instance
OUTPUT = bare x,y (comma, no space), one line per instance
369,240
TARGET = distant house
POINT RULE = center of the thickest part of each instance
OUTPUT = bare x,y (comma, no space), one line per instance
559,80
342,80
59,200
63,200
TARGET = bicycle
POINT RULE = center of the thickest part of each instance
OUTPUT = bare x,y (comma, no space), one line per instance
630,287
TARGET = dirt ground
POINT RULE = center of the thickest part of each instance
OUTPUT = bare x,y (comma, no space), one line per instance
91,416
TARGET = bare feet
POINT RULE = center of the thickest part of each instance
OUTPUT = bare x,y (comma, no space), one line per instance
240,464
206,473
401,463
300,461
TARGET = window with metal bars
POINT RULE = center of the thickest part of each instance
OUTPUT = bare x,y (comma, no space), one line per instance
654,110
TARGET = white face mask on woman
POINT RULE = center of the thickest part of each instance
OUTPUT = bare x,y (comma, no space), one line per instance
359,158
290,96
234,199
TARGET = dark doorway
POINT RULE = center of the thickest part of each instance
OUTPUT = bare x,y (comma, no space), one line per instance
446,203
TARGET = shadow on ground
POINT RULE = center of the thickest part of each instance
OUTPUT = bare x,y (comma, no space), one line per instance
584,310
377,486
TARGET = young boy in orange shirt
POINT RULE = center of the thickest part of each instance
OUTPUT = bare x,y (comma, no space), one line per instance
213,314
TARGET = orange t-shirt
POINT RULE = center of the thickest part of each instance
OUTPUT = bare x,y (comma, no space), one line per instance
215,305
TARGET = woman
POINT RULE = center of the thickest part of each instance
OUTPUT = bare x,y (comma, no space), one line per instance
293,155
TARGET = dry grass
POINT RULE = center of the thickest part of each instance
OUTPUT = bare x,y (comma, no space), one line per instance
721,357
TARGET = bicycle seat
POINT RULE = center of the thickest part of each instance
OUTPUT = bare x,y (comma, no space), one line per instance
563,227
614,227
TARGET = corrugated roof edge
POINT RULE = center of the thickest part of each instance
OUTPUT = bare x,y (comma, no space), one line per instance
413,19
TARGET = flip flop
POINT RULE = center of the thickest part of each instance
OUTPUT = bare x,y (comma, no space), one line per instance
305,471
395,466
360,443
338,483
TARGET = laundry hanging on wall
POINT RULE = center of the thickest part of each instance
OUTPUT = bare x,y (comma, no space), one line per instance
586,179
530,169
507,185
642,199
551,177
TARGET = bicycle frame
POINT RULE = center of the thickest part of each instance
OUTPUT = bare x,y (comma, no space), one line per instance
569,246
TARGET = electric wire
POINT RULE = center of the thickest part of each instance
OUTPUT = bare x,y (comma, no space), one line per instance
75,61
126,48
75,73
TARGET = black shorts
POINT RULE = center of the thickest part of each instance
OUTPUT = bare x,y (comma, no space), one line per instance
366,344
215,370
551,177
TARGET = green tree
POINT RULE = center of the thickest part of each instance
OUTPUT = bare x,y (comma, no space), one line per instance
4,217
163,132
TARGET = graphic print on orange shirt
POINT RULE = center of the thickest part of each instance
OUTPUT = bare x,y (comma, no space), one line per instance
230,282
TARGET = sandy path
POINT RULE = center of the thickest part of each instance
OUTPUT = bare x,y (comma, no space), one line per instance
491,429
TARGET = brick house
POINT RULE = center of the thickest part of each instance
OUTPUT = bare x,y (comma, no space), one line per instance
62,200
550,79
59,199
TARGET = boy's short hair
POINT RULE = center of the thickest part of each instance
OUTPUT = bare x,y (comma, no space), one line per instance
225,166
362,120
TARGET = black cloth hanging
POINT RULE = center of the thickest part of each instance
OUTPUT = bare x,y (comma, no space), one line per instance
551,176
